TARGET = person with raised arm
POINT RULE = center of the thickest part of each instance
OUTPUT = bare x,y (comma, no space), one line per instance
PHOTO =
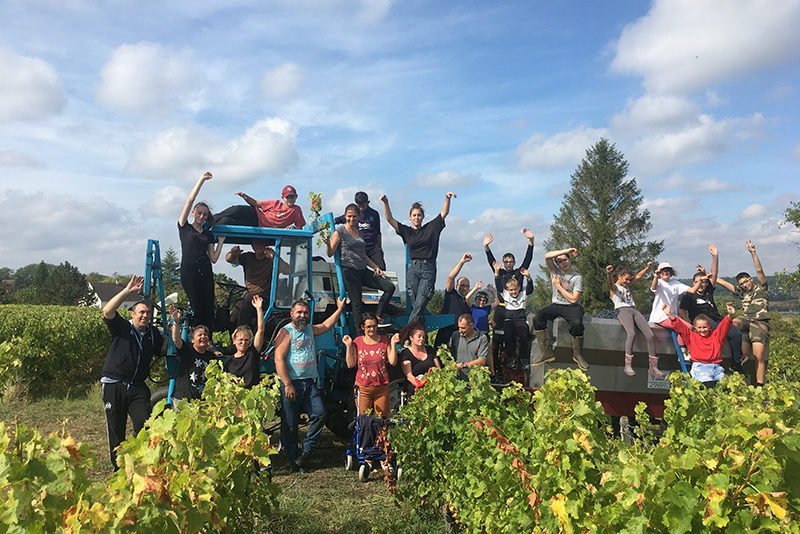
567,289
755,318
455,300
354,260
198,252
418,358
619,284
296,365
246,362
133,345
700,300
515,328
423,247
507,269
369,227
705,344
283,213
193,358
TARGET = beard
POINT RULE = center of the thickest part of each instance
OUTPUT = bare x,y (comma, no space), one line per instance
300,323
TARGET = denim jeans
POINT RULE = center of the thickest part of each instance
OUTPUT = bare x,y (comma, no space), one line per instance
735,337
420,284
309,401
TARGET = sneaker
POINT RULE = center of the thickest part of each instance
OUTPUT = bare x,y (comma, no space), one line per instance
687,357
295,468
526,363
302,460
382,323
511,363
393,309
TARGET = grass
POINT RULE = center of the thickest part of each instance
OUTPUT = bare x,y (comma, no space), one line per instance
327,499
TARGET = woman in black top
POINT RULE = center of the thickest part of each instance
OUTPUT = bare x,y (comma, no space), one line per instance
423,247
193,359
246,363
197,254
418,358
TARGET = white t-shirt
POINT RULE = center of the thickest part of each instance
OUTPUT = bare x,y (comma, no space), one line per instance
666,293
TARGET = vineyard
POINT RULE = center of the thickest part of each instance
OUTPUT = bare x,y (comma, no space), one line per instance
729,459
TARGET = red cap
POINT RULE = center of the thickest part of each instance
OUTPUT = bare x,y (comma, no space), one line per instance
288,190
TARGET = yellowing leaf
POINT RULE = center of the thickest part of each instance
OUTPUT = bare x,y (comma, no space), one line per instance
583,441
712,463
775,500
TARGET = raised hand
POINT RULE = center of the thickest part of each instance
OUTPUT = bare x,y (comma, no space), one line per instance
136,284
396,338
665,308
479,284
347,340
258,302
207,176
384,199
496,267
527,233
750,246
609,269
488,239
450,195
712,248
524,272
175,313
730,308
467,257
236,250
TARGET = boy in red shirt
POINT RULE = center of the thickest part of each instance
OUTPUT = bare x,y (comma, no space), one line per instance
705,345
284,213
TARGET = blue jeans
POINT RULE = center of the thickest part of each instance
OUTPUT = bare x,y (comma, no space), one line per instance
309,401
420,284
735,337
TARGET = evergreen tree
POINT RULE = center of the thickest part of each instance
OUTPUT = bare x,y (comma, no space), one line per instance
601,216
171,270
66,286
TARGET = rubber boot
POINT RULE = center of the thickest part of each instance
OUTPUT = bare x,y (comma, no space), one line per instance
577,357
654,368
628,365
545,352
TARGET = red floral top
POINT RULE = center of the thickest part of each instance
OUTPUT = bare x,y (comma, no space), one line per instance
372,360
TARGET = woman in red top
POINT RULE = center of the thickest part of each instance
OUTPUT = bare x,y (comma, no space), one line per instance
372,353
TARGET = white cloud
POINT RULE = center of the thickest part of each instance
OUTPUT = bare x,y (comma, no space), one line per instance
336,202
17,158
371,11
283,81
269,147
682,46
653,113
165,202
29,88
781,92
445,179
695,186
148,77
564,149
754,211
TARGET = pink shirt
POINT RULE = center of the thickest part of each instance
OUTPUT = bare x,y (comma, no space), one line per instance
372,360
276,214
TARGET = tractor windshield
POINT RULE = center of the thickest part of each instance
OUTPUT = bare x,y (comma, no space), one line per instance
293,286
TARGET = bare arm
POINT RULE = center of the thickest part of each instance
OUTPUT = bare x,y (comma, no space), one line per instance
727,285
643,272
612,285
478,285
757,263
446,206
175,313
714,264
490,287
387,212
349,352
187,209
215,250
281,351
391,353
250,200
451,278
134,286
258,340
232,256
374,266
332,243
320,329
406,367
550,257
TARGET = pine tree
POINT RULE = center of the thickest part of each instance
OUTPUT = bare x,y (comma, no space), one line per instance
601,216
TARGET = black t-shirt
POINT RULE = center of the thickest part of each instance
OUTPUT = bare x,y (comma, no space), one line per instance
129,355
247,367
419,367
194,244
191,378
455,304
696,304
423,243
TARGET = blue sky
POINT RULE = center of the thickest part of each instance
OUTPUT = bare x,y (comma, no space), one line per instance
110,111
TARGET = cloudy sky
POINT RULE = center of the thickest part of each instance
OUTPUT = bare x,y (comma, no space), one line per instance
110,111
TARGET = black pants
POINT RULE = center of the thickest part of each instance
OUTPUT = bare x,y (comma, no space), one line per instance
121,401
354,279
443,336
198,282
237,216
515,331
246,309
376,255
572,313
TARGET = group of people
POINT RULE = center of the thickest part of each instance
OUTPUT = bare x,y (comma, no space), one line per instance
358,240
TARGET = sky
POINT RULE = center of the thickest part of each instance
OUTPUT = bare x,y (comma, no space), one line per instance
110,112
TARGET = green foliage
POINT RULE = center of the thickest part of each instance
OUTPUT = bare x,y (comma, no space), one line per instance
512,462
190,471
56,347
436,303
601,216
59,285
784,349
792,216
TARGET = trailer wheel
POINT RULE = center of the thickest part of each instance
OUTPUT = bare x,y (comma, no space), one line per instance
158,395
396,390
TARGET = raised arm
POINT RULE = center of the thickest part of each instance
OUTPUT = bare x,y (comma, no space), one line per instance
250,200
529,285
498,282
478,285
258,339
232,256
387,212
391,352
491,289
175,313
215,250
643,272
612,285
187,209
714,264
451,278
489,256
446,206
134,286
654,283
757,263
526,261
349,352
550,257
320,329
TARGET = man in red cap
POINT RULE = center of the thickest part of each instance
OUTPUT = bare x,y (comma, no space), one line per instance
284,213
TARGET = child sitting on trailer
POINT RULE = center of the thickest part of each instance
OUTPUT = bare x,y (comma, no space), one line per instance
705,344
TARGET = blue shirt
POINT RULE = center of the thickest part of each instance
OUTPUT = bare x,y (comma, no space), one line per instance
301,359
